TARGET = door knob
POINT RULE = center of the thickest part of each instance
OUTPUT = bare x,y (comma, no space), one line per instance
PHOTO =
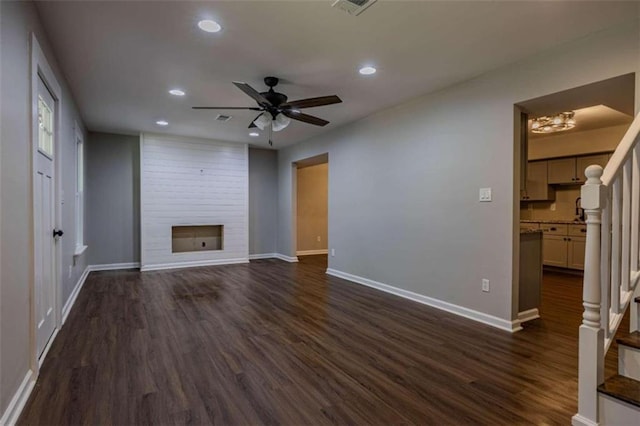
57,233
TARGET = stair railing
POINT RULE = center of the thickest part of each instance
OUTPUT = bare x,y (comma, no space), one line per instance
611,201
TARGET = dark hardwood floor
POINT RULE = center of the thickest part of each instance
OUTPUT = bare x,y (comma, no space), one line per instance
279,343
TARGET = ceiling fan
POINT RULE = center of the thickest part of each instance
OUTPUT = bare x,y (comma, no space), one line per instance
276,113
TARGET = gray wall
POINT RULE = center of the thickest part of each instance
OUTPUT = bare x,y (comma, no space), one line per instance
263,198
17,21
403,183
113,198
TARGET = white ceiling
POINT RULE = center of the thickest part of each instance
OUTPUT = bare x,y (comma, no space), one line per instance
121,58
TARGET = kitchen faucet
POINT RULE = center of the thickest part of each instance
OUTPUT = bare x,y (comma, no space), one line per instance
579,209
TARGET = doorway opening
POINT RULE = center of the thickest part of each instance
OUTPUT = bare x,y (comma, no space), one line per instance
558,136
311,206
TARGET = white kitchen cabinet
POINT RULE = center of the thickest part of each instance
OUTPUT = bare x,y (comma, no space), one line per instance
554,250
563,245
575,252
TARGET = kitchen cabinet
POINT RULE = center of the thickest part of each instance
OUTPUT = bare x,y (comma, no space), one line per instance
564,245
583,162
575,252
554,250
537,187
570,170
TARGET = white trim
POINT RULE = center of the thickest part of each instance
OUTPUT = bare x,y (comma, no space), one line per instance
491,320
528,315
578,420
193,264
142,191
113,266
312,252
291,259
74,294
14,409
79,250
262,256
45,351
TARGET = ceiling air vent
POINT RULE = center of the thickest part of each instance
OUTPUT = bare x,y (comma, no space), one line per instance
223,118
353,7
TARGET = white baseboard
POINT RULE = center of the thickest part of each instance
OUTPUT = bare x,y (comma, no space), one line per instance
528,315
113,266
491,320
578,420
291,259
284,257
262,256
193,264
312,252
14,409
74,294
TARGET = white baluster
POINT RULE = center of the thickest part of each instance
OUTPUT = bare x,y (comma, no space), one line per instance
634,314
615,244
605,265
591,345
626,225
635,207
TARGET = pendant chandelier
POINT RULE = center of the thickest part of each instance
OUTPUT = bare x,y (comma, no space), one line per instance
553,123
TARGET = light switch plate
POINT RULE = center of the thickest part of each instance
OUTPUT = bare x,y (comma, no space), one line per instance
485,195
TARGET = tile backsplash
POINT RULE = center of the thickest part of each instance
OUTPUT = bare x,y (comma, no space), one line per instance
565,206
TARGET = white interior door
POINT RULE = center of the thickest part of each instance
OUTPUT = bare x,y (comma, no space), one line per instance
44,213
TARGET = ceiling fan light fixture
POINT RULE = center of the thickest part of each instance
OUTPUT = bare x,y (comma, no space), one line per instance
281,122
209,26
263,121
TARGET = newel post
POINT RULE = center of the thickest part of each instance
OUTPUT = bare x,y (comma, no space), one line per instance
591,345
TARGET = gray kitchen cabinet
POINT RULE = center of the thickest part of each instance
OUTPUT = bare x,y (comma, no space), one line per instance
537,187
570,170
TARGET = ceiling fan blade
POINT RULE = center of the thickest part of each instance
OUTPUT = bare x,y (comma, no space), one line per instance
253,123
247,108
313,102
253,93
305,118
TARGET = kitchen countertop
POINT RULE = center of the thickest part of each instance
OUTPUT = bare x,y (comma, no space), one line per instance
530,231
559,221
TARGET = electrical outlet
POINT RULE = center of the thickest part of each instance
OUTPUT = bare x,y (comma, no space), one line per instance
485,195
553,207
485,285
333,252
70,270
318,238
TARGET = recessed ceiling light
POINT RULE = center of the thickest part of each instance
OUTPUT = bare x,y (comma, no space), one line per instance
367,70
209,26
176,92
254,134
162,123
